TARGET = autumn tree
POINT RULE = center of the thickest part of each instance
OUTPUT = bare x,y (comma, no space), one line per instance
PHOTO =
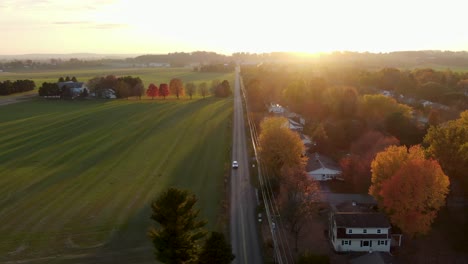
223,89
122,89
342,101
408,187
214,83
295,95
414,195
176,87
279,146
356,166
376,108
178,231
216,250
448,143
255,94
152,91
139,90
203,89
298,198
163,90
190,89
387,163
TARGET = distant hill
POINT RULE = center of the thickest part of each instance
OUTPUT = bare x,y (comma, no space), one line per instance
399,59
81,56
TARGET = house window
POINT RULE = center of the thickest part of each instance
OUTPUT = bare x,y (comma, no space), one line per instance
378,231
345,242
365,231
382,242
365,243
350,231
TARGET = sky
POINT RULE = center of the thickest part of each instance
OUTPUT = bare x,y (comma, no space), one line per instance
156,27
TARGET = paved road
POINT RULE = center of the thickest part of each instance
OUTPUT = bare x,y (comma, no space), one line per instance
244,238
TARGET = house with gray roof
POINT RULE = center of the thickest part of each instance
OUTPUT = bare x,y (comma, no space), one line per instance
322,168
359,228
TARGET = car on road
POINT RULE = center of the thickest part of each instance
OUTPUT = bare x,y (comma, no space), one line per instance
235,165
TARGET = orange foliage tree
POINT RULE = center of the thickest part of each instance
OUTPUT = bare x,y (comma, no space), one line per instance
279,146
408,187
176,87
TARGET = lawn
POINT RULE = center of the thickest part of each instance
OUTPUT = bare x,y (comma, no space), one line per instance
77,177
148,75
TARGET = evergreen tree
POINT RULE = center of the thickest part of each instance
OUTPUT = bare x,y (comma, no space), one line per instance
178,231
216,250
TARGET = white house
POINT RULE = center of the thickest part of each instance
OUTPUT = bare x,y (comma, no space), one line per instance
276,109
76,88
321,168
295,126
324,174
359,231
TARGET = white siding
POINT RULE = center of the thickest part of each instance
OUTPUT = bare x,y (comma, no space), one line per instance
361,245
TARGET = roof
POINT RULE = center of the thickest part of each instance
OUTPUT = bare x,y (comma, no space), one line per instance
341,233
70,84
361,220
294,125
325,171
317,161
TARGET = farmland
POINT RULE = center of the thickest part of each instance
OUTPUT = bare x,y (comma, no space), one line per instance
147,75
77,177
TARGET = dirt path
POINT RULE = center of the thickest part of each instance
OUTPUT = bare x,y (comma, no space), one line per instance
16,99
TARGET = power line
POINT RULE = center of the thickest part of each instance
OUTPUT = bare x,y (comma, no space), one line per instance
268,197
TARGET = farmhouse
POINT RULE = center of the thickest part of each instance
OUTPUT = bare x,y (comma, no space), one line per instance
76,88
359,229
321,168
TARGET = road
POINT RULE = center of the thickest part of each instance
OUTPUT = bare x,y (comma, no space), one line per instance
244,234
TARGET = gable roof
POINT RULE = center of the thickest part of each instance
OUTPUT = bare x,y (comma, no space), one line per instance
324,171
317,161
361,220
70,84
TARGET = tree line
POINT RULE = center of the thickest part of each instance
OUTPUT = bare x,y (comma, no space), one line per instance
128,86
19,86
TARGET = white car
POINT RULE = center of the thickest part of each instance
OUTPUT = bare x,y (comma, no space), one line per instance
235,165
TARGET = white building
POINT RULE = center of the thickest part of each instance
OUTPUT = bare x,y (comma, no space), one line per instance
359,231
321,168
276,109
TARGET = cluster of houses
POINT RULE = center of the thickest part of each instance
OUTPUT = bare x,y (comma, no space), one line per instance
319,167
353,227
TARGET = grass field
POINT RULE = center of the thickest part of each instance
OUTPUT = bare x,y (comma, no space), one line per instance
77,177
148,75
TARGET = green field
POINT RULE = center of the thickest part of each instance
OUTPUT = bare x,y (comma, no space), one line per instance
148,75
77,177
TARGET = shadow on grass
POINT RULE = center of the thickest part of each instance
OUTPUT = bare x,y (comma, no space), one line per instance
200,170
